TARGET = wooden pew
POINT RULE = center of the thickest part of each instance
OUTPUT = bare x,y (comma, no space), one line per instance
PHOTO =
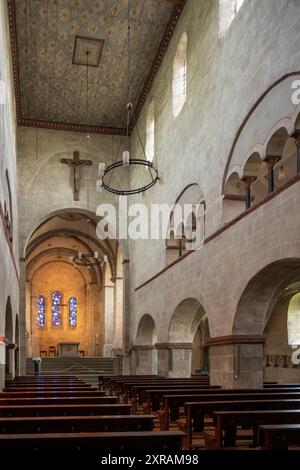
137,392
119,386
195,412
279,436
103,380
153,395
173,401
281,385
226,423
77,442
54,393
69,424
44,378
57,400
65,410
47,388
18,383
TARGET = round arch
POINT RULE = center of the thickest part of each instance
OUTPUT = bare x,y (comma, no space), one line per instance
278,93
145,352
146,331
183,331
261,294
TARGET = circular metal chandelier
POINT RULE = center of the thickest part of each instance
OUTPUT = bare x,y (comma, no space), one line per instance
88,260
104,171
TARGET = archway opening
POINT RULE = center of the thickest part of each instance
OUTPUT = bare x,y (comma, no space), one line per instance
67,303
200,351
184,337
186,228
281,349
263,309
145,352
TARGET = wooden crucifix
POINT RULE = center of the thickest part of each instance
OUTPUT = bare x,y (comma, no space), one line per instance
76,164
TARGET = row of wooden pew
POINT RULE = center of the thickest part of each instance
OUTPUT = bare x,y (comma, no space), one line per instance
59,413
130,413
265,418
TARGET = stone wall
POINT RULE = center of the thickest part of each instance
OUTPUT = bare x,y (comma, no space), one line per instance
9,254
224,81
43,178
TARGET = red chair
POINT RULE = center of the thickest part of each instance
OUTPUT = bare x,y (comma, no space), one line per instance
52,351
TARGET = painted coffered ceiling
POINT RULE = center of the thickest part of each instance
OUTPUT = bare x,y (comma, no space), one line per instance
54,89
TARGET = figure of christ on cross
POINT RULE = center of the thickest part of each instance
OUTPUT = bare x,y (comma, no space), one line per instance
76,164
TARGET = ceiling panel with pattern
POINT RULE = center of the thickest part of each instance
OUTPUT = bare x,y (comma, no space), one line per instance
53,89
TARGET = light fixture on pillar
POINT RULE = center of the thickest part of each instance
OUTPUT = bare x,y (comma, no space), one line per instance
107,171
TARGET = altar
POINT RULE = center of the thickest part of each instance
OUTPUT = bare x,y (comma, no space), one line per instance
68,349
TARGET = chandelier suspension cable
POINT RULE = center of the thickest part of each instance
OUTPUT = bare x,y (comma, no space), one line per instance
104,170
129,104
87,90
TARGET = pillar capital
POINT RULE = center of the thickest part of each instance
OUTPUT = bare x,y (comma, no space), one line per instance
296,136
143,347
248,179
116,278
174,345
271,160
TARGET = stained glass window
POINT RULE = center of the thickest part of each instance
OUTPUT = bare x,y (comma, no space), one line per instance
73,311
56,308
41,311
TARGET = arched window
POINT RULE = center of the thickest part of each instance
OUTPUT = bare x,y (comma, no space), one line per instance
293,321
56,308
179,76
41,311
228,9
150,132
73,311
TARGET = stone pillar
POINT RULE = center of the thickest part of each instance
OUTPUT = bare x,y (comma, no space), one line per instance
93,302
248,180
236,361
145,359
271,161
174,359
163,359
108,318
2,363
296,137
118,303
10,360
28,332
126,317
181,359
22,318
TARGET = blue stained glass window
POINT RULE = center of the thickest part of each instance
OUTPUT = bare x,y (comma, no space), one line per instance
56,308
73,311
41,311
